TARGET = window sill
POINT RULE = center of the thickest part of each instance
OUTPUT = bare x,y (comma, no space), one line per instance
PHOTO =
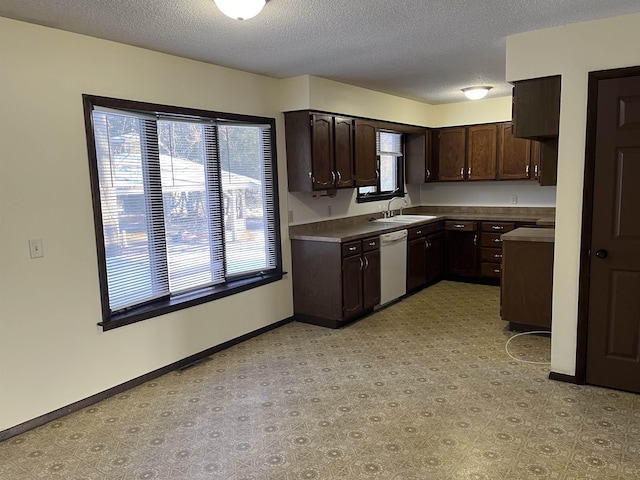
186,300
379,196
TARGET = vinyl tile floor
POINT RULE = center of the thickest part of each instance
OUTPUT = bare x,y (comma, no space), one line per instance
423,389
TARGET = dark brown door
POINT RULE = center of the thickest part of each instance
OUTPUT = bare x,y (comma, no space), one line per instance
366,158
371,279
613,336
515,155
461,248
482,152
343,140
435,253
416,263
352,285
452,152
322,145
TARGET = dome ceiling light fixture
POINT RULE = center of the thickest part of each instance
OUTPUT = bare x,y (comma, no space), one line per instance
476,93
240,9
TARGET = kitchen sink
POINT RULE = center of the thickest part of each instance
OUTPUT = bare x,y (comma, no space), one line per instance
406,219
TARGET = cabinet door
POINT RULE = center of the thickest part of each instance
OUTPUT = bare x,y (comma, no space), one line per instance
343,144
322,151
371,279
461,251
451,156
482,152
416,263
352,285
366,158
417,152
536,107
435,256
515,155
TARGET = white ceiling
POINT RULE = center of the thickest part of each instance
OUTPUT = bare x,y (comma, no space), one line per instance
426,50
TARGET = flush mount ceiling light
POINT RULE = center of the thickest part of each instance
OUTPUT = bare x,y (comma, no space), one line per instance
476,93
240,9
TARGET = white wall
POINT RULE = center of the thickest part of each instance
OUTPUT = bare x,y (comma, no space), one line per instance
489,194
51,351
572,51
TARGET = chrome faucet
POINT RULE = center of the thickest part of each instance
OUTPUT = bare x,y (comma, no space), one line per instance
388,213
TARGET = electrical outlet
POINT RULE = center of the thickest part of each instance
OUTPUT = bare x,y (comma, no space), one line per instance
329,211
290,216
35,248
514,199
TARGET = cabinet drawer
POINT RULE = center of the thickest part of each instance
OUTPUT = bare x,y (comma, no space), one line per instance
462,226
491,239
493,270
424,230
498,226
369,244
351,248
491,255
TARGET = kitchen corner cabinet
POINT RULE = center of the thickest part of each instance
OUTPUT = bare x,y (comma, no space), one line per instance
544,161
461,248
452,149
319,151
345,283
366,157
424,255
417,152
514,155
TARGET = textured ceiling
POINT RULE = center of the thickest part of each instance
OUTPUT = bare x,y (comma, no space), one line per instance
425,50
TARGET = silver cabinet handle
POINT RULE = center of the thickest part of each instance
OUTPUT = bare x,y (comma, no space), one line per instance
459,225
497,255
497,227
462,172
475,239
428,174
372,244
469,172
526,170
366,263
361,264
535,171
418,232
351,249
333,177
496,240
339,177
496,270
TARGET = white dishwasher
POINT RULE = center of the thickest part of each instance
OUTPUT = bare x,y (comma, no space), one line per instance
393,266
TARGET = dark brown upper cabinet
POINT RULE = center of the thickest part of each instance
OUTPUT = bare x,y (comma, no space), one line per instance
482,151
452,143
514,155
366,159
319,151
536,107
417,153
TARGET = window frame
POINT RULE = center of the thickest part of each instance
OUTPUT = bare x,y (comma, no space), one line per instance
171,303
401,190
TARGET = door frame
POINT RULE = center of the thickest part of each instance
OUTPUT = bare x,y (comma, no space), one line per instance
587,212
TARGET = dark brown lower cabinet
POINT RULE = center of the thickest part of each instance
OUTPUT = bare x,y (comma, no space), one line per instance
424,255
333,282
527,278
461,248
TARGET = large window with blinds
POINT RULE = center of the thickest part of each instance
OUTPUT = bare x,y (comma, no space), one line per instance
185,206
390,180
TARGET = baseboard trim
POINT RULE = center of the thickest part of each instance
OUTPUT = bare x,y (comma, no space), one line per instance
561,377
180,364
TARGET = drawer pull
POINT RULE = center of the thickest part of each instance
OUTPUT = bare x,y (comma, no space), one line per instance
496,270
497,255
372,244
459,225
351,249
497,227
496,240
419,232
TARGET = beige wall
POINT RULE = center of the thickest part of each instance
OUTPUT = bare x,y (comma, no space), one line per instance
51,351
571,51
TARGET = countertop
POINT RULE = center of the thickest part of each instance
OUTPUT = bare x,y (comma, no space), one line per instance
530,235
355,228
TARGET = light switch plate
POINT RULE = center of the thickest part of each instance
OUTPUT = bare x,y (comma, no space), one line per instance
35,248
